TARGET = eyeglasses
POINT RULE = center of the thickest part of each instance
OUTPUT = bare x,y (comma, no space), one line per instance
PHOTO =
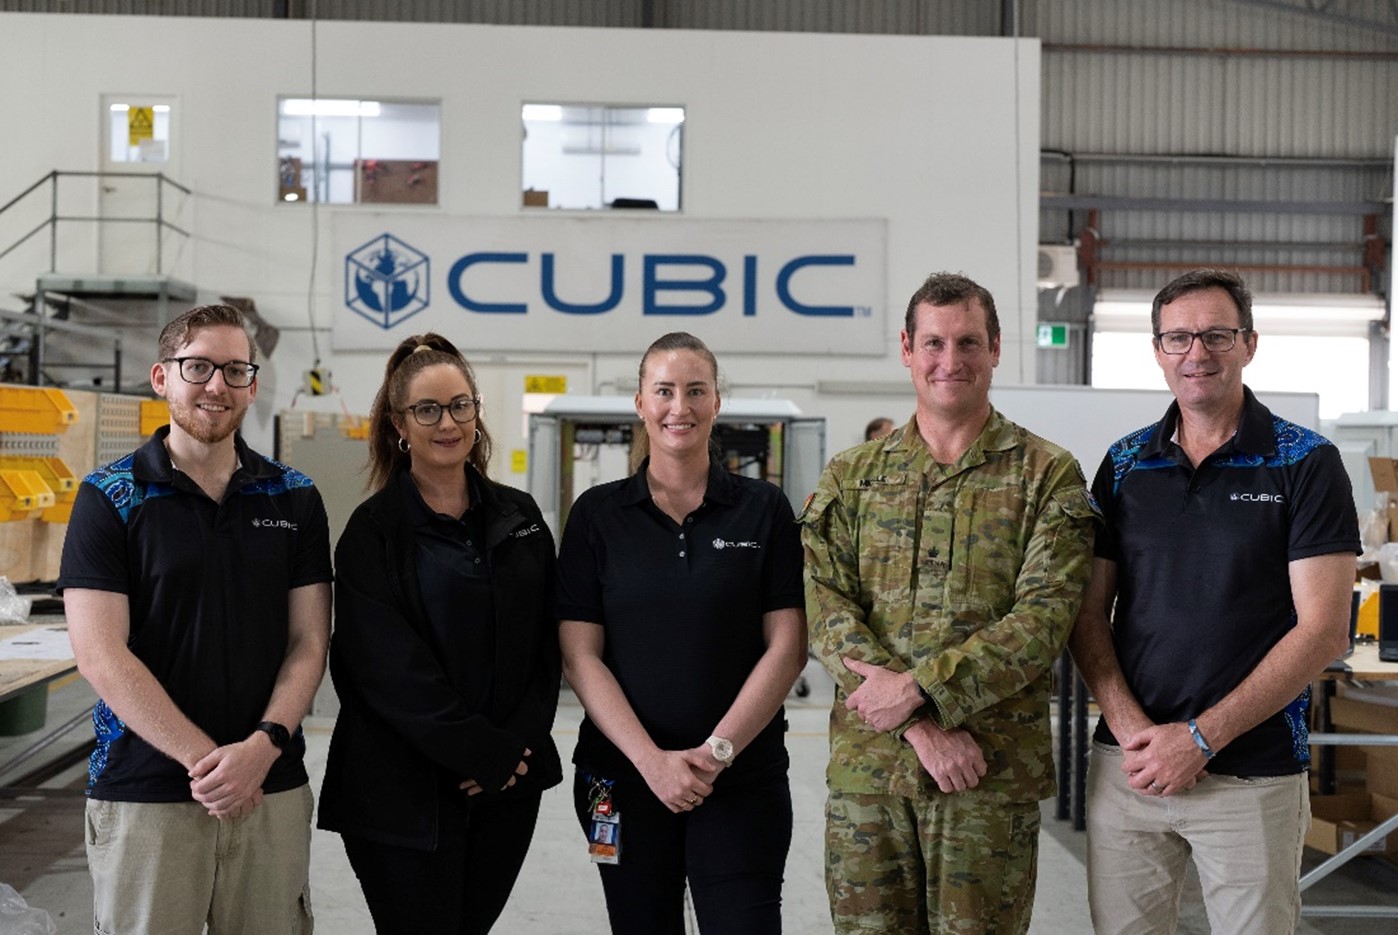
462,409
1216,340
236,373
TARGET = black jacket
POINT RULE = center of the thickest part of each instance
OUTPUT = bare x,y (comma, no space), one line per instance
405,736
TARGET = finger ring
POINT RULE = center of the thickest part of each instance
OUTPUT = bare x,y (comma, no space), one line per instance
686,806
1156,786
694,800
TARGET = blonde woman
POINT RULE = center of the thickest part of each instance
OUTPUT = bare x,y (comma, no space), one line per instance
683,630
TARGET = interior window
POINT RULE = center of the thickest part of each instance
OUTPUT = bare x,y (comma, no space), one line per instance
350,151
584,156
139,132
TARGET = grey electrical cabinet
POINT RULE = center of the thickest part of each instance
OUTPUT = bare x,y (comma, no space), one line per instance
580,441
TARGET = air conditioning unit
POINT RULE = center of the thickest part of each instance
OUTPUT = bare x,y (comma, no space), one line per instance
1058,265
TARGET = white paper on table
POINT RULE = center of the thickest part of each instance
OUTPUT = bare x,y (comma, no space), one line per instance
38,643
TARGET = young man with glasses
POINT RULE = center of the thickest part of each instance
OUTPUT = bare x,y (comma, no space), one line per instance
195,579
1220,589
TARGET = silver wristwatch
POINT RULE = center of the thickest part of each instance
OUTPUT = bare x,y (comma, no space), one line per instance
722,748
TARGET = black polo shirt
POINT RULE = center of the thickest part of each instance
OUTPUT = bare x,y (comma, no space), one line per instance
207,585
1202,556
682,604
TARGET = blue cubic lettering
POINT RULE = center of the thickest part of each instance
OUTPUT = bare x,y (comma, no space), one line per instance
652,284
458,270
791,268
552,300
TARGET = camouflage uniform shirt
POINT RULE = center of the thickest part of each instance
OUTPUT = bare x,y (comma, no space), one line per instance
969,575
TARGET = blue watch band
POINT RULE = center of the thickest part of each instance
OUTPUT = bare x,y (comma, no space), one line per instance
1199,740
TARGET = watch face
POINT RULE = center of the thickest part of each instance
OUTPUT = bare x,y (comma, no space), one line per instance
279,734
723,749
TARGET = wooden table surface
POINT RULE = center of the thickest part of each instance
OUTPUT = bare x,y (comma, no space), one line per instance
19,675
1364,663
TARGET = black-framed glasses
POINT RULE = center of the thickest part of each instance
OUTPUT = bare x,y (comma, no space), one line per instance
429,412
1216,340
236,373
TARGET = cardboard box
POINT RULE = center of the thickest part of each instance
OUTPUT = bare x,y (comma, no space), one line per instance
1337,821
1381,771
1349,715
536,199
1384,471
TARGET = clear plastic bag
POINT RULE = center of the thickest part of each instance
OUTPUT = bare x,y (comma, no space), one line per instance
14,607
17,917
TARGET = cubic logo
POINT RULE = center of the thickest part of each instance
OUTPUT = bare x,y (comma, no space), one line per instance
696,284
387,281
1256,497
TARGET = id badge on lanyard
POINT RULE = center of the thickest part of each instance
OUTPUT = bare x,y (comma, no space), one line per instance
604,834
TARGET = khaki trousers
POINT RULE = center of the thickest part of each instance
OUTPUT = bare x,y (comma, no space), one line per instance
1245,836
168,868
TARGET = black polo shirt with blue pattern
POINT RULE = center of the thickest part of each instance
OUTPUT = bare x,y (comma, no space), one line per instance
1202,556
681,605
208,585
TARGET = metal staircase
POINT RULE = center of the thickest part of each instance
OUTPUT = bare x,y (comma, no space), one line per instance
69,319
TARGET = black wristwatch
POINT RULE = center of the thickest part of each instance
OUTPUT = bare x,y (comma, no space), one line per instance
281,737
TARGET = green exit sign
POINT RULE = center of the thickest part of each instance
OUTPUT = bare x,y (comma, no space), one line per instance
1053,334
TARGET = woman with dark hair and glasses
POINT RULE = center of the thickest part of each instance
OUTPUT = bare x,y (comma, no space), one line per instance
445,659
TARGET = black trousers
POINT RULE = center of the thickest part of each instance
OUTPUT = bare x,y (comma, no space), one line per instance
461,887
732,849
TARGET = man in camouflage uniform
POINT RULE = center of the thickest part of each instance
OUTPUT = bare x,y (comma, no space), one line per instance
945,564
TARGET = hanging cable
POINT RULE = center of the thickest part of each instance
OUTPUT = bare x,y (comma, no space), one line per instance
315,203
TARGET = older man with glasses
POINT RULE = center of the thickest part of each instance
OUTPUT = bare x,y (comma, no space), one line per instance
1220,589
196,582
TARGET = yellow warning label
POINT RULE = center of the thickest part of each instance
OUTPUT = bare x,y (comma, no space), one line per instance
545,383
519,460
140,124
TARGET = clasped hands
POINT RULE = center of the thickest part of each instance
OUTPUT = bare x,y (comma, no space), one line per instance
887,699
471,787
227,780
681,779
1162,759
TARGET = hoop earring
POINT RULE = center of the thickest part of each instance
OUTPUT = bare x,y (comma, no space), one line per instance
478,437
403,445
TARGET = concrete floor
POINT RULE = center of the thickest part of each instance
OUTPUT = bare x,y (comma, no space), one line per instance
41,851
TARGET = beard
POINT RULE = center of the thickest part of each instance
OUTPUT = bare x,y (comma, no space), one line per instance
187,417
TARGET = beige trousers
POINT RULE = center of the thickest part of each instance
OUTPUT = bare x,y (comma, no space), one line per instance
1245,836
168,868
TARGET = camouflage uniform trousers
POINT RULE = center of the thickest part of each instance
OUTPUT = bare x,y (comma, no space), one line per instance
961,864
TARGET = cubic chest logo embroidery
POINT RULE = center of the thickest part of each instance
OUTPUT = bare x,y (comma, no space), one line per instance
726,544
1257,497
526,531
273,524
387,281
